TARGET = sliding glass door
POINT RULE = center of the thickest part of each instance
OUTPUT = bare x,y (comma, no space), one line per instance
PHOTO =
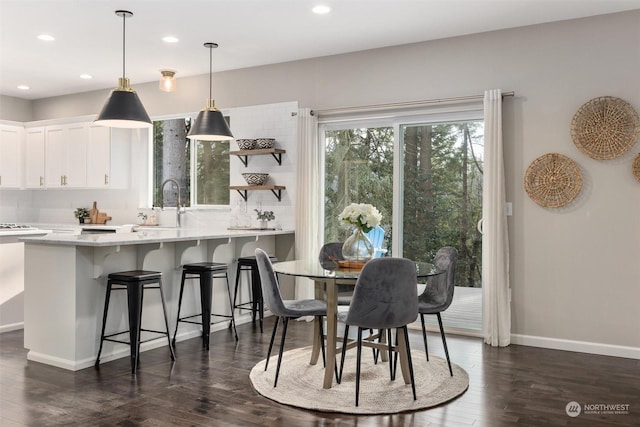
424,174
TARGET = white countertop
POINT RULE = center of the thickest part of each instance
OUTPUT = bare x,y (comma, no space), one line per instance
145,235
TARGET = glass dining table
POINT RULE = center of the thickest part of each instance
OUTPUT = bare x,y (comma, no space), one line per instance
326,285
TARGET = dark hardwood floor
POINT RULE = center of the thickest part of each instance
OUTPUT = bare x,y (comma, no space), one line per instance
514,385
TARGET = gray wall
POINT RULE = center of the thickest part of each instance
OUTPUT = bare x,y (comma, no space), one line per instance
575,272
15,109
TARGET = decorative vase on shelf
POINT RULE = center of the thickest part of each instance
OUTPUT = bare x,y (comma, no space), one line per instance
357,247
263,224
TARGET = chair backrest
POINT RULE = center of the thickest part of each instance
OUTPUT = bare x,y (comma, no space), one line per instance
330,254
385,295
376,235
440,288
269,282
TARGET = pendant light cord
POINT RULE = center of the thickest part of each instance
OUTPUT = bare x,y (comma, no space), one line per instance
124,20
210,72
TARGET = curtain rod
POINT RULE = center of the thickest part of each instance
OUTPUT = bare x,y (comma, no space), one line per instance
364,108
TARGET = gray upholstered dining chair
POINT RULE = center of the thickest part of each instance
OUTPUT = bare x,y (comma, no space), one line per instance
385,298
285,309
330,254
438,294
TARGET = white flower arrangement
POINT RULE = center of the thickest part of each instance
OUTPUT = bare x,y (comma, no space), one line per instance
362,215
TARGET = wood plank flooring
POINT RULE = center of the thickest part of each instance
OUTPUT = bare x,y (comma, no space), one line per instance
516,385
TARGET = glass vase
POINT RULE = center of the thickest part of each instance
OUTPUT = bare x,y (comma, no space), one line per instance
357,247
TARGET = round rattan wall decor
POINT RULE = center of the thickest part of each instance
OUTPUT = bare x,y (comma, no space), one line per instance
636,167
605,128
553,180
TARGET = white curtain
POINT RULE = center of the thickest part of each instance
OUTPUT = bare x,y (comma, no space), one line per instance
495,239
308,206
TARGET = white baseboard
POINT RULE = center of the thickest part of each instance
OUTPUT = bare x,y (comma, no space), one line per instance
577,346
11,327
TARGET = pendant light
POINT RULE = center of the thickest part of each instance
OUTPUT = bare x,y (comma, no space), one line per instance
210,124
168,81
123,108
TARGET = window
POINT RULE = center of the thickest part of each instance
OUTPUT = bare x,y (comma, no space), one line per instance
201,168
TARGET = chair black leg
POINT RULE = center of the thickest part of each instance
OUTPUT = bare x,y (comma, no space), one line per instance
233,318
321,332
406,341
104,321
285,321
358,360
134,299
344,351
444,343
166,322
424,336
273,337
375,351
179,305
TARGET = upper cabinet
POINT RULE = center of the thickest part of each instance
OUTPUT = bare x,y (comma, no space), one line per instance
34,157
66,156
108,157
10,158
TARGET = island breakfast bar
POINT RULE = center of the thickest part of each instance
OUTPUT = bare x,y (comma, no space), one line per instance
65,285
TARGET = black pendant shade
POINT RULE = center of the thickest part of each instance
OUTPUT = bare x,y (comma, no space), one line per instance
210,124
123,108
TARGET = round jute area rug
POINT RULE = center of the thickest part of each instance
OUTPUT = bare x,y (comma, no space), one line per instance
300,384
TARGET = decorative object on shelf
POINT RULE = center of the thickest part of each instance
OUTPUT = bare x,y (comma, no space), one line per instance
246,144
605,128
364,217
265,142
264,217
255,178
635,168
82,214
553,180
210,124
123,108
168,81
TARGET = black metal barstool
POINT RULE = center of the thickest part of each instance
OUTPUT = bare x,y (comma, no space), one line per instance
206,272
249,263
135,283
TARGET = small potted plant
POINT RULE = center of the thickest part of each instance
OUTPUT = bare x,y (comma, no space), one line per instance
81,214
264,217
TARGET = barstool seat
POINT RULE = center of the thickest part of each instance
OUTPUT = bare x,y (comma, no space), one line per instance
206,272
135,282
249,263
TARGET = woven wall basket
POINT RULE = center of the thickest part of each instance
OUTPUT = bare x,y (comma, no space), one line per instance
636,167
605,128
553,180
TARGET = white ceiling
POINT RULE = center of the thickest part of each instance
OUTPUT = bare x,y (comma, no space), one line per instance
88,34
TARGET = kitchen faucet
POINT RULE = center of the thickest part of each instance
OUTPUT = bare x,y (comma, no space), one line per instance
179,207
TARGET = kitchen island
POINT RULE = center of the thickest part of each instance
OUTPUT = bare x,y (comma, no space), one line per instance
65,285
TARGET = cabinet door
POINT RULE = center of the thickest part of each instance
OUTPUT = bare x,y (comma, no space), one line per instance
34,158
98,157
75,165
55,156
10,142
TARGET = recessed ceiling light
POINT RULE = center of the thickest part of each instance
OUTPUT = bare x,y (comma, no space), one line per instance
46,37
321,9
24,87
170,39
86,76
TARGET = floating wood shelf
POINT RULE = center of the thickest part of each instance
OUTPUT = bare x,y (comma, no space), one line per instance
242,190
244,154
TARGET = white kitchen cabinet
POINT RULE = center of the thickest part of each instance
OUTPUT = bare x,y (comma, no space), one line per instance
66,156
108,153
10,156
34,157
